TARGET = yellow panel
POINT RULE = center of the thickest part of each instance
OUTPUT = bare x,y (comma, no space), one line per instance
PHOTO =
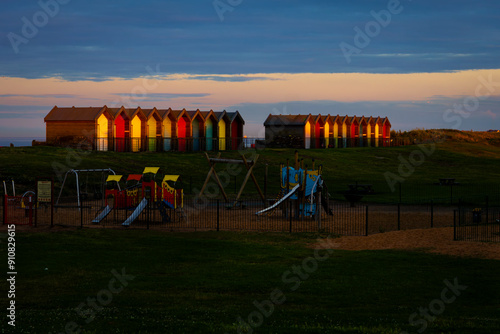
152,127
135,133
153,170
103,127
327,134
222,135
308,130
136,127
376,130
167,128
171,178
116,178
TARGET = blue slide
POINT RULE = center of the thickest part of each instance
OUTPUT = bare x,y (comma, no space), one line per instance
138,210
281,200
103,214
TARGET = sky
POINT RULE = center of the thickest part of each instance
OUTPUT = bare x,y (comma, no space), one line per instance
423,64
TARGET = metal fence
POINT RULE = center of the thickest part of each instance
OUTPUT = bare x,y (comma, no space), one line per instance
477,221
350,219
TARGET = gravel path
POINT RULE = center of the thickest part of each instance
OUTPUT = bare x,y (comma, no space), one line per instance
437,240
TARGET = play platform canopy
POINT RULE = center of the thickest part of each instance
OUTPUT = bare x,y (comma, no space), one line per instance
116,178
136,177
153,170
173,178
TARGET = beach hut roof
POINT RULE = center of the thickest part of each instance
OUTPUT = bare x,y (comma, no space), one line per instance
74,114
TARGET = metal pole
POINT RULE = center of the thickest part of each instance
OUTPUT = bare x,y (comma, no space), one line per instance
487,209
290,204
218,222
265,180
454,225
366,227
81,214
399,216
432,213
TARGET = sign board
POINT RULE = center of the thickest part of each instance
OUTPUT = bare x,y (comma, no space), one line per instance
44,191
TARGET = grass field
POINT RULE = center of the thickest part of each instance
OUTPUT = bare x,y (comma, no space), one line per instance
472,161
206,282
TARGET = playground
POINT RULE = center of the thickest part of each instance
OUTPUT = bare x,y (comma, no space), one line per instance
153,198
210,279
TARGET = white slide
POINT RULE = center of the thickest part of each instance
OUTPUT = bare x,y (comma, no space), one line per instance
136,212
103,214
280,201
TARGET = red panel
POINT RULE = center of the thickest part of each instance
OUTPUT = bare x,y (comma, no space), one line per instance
120,133
235,135
317,134
181,133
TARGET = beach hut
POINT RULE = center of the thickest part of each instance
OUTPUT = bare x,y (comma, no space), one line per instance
362,131
210,122
236,127
316,131
153,129
327,131
183,121
197,129
370,129
92,125
169,128
336,131
386,131
354,132
223,128
137,129
121,129
377,131
346,131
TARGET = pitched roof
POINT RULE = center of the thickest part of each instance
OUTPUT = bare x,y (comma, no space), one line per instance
152,113
74,114
287,119
116,111
234,115
132,112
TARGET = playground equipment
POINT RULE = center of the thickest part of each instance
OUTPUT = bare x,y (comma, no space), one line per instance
140,191
249,164
18,210
84,195
305,187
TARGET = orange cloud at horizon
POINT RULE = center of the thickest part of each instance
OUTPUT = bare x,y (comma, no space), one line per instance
266,88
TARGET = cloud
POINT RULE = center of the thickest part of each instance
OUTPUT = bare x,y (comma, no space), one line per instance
89,40
47,96
229,78
158,97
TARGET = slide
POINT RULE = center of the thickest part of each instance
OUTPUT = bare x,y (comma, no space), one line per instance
136,212
280,201
103,214
168,204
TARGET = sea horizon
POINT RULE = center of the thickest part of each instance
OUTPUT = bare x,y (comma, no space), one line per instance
19,141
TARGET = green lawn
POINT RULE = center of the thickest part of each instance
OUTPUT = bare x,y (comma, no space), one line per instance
474,165
202,283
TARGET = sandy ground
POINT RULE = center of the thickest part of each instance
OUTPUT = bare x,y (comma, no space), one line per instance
437,240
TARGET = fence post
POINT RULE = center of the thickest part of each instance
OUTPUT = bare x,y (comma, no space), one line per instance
400,195
366,227
81,214
454,225
218,215
487,208
148,212
399,216
290,211
432,213
5,208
